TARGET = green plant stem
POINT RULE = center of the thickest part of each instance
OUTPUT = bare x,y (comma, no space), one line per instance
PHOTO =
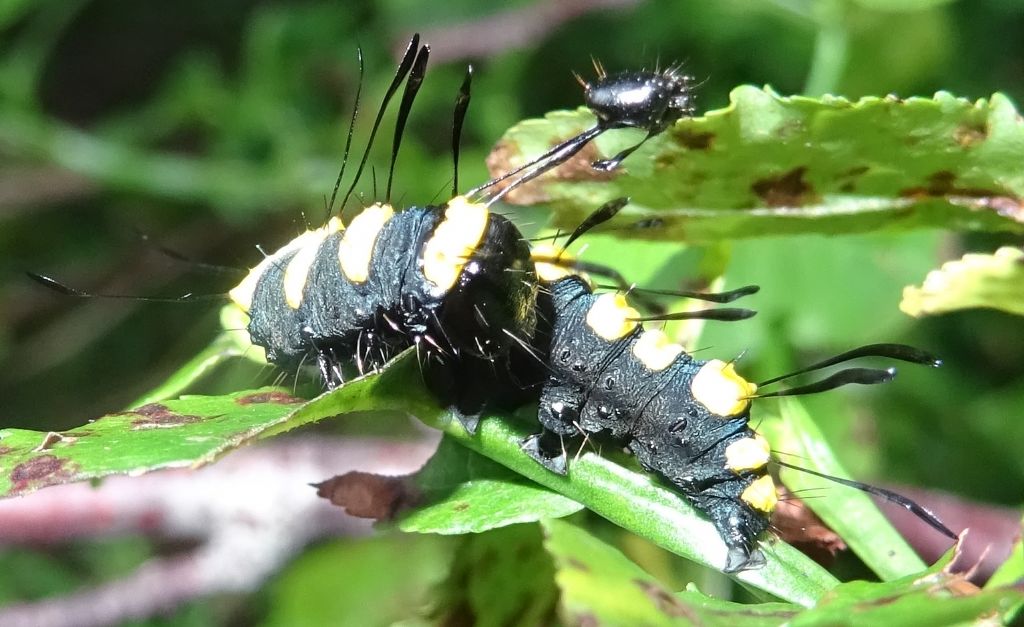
831,48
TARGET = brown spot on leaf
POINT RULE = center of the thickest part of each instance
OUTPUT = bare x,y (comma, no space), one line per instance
5,450
789,128
157,416
461,506
269,397
787,190
667,604
152,409
854,172
692,140
648,224
505,157
366,495
848,178
795,523
39,472
968,135
943,184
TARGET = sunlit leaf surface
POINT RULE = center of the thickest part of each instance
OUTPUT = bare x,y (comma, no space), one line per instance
768,164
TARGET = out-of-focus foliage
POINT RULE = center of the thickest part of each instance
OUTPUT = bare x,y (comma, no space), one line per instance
974,280
216,127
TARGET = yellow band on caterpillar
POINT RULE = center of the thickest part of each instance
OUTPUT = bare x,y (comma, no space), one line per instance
748,454
611,317
545,256
242,294
454,241
297,272
655,350
761,495
356,248
717,387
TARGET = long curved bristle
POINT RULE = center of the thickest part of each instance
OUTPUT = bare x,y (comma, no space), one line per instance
459,118
710,297
351,131
412,87
858,376
724,314
914,508
66,290
532,169
901,352
604,213
403,69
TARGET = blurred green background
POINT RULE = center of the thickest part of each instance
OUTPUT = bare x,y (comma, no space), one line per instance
216,127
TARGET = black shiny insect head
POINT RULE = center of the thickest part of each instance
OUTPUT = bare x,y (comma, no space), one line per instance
647,100
650,101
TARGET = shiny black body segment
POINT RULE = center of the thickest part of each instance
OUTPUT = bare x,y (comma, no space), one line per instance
596,387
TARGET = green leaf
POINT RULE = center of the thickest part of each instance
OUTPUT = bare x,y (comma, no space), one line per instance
851,513
601,586
995,281
386,579
598,581
502,577
936,598
190,431
768,164
186,432
464,492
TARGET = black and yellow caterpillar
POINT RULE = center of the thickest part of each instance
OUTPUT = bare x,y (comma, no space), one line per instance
495,322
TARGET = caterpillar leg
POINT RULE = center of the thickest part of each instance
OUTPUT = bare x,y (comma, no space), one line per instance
737,523
469,422
330,368
547,449
452,384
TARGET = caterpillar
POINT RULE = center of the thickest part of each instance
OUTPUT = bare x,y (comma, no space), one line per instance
494,321
685,420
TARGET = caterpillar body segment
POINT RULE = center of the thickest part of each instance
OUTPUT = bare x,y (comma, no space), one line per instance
454,279
684,419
